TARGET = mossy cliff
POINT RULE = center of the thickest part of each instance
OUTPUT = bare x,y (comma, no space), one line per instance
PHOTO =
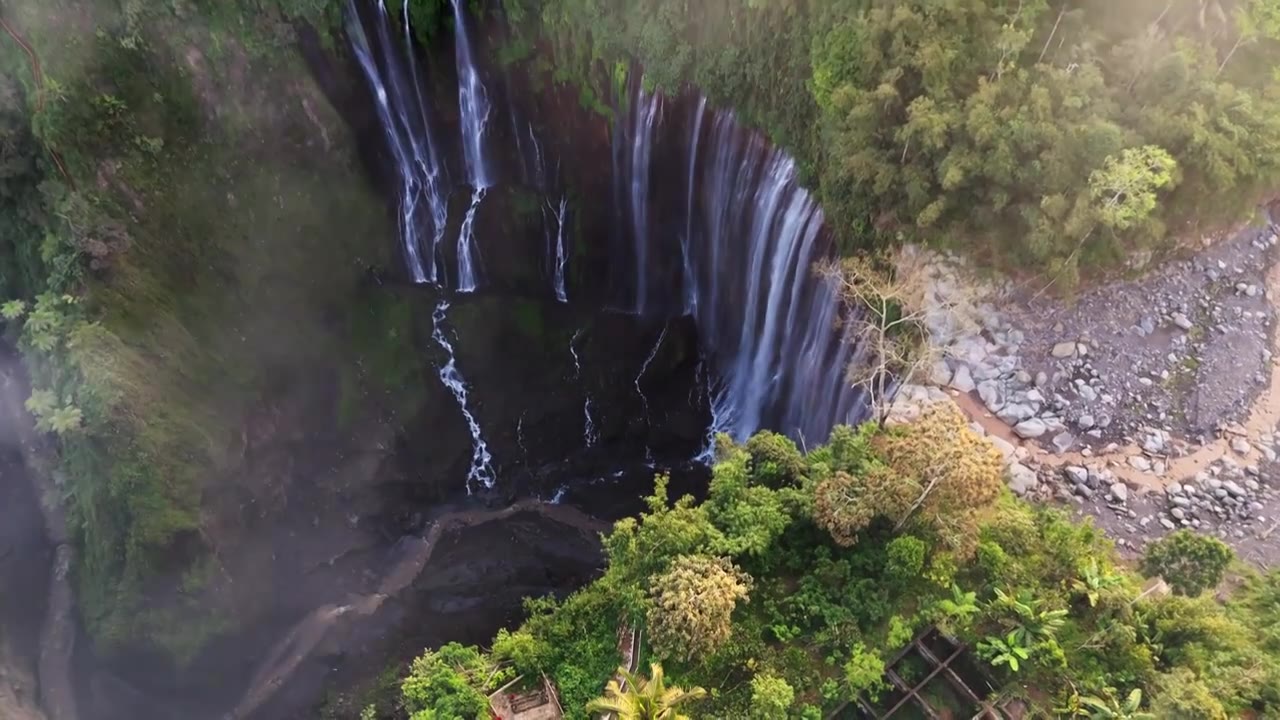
194,246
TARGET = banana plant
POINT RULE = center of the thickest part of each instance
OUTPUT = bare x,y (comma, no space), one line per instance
1111,708
1034,623
1009,650
960,607
1094,580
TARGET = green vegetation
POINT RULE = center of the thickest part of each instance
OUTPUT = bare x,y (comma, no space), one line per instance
641,698
198,247
184,237
1037,134
757,596
1189,562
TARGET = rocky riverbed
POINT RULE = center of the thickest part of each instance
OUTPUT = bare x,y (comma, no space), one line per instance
1150,404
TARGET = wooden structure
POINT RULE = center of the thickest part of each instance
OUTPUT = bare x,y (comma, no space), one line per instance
540,703
932,678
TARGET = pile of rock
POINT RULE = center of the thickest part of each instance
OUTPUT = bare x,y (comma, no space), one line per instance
1226,493
1082,483
981,351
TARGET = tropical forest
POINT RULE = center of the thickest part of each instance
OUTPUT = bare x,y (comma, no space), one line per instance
639,359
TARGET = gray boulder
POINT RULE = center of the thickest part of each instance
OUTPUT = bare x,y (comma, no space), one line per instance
1030,428
1064,350
940,374
962,380
1022,479
1120,492
989,391
1063,441
1014,413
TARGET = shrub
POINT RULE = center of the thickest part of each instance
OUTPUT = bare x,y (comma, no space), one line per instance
906,559
775,460
443,684
864,672
1189,562
771,696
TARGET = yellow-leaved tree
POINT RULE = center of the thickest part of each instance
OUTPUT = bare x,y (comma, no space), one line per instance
933,476
691,604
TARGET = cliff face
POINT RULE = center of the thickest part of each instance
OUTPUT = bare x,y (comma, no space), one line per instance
262,416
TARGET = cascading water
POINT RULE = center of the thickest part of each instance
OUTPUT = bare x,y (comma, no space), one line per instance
644,367
408,130
642,131
750,237
467,274
473,104
481,461
686,241
733,246
402,111
589,433
557,280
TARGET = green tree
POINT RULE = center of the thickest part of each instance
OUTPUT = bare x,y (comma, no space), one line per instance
748,517
1180,695
447,684
1124,189
1254,20
1095,580
957,610
691,605
1191,563
775,460
906,556
864,672
1028,616
641,698
771,697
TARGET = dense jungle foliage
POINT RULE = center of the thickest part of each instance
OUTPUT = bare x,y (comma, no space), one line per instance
784,593
159,186
1056,136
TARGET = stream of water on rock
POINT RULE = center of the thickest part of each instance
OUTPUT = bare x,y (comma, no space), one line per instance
739,262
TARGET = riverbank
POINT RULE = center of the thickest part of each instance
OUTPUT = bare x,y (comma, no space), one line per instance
1150,404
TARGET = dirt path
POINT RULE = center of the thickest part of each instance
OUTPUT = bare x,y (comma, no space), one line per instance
302,640
1264,415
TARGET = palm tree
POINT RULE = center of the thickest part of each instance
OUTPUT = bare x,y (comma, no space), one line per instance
643,698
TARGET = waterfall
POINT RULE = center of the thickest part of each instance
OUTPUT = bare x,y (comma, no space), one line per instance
710,221
557,280
409,135
539,168
645,367
686,242
749,239
481,461
466,239
473,103
703,378
642,148
590,435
